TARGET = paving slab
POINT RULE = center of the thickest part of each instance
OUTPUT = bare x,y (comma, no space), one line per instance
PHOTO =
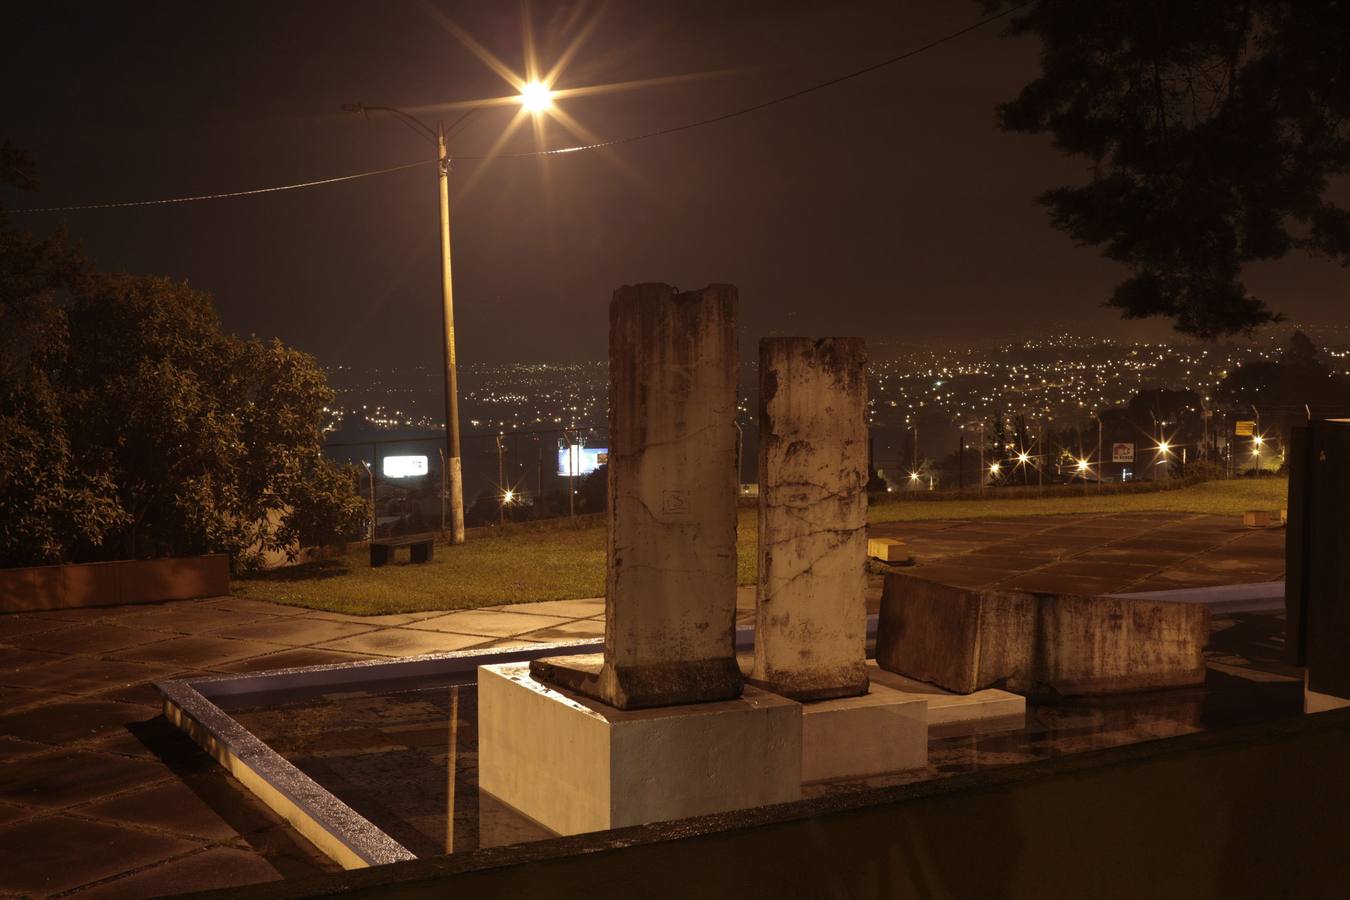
171,806
566,608
380,621
259,607
488,623
61,723
1050,583
292,659
294,632
12,813
58,780
49,855
570,631
963,576
404,642
16,624
195,650
12,748
13,699
82,675
92,638
1117,570
188,617
218,867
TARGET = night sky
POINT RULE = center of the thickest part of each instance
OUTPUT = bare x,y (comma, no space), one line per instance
888,206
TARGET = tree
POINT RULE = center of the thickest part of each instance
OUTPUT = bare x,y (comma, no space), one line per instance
48,502
131,425
1286,390
1213,129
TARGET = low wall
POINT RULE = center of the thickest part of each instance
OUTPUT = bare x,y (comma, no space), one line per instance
1259,811
114,583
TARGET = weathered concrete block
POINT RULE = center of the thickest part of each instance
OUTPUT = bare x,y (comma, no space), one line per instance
670,591
575,765
887,549
965,640
811,612
849,737
1258,518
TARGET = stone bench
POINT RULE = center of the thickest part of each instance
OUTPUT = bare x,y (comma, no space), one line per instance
1040,644
382,550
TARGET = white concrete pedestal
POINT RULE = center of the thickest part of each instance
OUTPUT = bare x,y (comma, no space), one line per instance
1315,701
950,711
575,765
880,731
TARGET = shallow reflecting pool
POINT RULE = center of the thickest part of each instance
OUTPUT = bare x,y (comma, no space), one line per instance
407,760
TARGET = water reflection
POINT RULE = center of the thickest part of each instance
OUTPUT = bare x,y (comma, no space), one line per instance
407,758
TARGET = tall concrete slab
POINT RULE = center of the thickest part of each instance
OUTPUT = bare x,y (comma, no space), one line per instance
810,609
670,591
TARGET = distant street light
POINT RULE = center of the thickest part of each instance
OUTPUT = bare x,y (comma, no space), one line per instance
535,97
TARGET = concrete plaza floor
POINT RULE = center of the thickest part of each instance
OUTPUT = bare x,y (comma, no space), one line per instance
101,797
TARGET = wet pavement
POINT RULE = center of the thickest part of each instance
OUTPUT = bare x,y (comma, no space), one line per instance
87,761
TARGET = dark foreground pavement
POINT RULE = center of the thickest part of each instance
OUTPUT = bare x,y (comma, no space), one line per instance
100,796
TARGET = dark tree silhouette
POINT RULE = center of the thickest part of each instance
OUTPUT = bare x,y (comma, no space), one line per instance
1213,128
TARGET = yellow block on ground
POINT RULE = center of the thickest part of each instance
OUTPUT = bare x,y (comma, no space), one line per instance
887,549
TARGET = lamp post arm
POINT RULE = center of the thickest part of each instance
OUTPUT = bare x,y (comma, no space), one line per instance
406,118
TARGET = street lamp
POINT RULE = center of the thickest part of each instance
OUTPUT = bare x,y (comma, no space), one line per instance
535,97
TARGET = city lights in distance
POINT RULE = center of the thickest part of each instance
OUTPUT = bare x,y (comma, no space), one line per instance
1083,465
994,468
1258,440
1024,457
508,496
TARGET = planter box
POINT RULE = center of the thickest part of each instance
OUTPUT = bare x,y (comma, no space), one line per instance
114,583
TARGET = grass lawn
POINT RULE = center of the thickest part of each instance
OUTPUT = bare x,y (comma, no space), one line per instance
567,563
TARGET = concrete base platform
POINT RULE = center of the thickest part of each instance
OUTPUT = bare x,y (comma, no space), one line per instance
948,711
1032,643
880,731
575,765
1315,701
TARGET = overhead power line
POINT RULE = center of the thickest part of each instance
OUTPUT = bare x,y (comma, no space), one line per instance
555,151
224,194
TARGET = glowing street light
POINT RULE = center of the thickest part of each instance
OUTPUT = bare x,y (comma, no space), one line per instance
1023,458
1164,448
1258,440
994,468
508,496
1083,466
535,96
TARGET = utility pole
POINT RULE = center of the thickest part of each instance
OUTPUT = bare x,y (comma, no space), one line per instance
444,493
501,480
571,474
981,456
960,458
371,473
1101,461
451,371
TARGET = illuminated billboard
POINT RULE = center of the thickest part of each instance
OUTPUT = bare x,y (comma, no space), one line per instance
404,466
579,460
